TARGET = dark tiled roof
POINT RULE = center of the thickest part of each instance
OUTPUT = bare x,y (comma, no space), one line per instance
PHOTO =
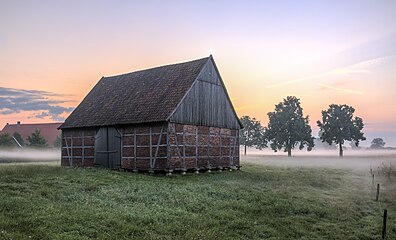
49,130
139,97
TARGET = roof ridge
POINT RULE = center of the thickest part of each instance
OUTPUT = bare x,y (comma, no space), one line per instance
158,67
11,124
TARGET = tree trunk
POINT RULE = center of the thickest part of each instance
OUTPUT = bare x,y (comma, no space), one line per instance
289,148
245,149
341,151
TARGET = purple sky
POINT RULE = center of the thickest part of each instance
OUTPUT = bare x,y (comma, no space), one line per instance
53,52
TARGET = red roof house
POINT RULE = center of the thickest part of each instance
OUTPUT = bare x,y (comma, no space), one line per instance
49,130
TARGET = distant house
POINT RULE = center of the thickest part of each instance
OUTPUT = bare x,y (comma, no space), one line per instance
48,130
174,117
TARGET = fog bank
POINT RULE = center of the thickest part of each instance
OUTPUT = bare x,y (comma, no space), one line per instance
360,160
30,154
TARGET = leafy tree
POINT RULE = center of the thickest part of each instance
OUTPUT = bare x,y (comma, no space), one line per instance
353,145
58,142
288,127
377,143
338,125
37,140
320,144
19,138
252,134
6,140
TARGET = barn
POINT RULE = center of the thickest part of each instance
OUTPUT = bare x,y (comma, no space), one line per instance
176,117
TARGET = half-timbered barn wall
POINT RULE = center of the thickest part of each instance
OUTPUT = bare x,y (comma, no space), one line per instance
78,147
158,147
201,147
145,147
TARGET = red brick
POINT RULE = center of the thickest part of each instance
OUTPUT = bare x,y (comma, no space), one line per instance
143,164
128,130
89,162
144,130
128,163
89,152
77,142
143,152
143,140
128,152
190,139
128,140
175,162
77,152
203,130
161,163
190,129
89,141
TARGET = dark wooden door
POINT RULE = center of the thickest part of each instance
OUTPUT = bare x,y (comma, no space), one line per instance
108,148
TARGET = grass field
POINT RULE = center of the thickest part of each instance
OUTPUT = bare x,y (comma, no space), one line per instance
258,202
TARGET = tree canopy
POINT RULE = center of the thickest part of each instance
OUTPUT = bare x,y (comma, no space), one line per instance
58,142
37,140
339,125
6,140
377,143
287,127
252,133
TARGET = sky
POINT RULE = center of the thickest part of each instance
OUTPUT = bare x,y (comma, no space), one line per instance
52,53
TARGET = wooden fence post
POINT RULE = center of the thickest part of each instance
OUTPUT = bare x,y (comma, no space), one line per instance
384,224
377,195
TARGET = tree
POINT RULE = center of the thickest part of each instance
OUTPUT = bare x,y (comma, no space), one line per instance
57,142
353,145
6,140
37,140
287,127
338,125
19,138
252,133
377,143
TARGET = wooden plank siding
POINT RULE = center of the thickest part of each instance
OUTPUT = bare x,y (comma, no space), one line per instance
207,102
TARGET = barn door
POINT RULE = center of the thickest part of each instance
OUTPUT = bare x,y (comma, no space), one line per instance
108,148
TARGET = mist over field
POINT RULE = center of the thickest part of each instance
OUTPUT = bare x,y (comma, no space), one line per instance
29,155
358,160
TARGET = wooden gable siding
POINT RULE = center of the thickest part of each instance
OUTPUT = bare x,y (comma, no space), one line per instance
207,103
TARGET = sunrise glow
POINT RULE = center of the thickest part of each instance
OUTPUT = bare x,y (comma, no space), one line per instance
53,52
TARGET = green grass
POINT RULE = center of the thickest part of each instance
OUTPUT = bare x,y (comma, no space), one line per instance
50,202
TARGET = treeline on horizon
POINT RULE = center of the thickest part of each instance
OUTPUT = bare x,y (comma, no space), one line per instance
34,140
288,128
